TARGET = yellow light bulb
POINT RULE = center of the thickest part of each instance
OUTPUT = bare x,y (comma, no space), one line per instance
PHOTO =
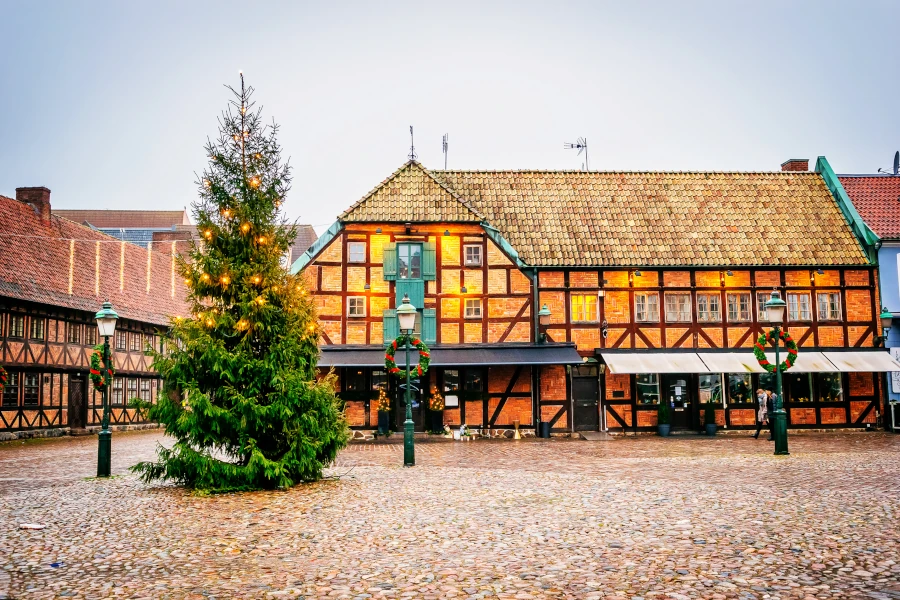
260,300
206,182
274,288
207,234
205,277
256,279
226,213
262,240
254,182
245,227
277,203
210,323
312,327
225,279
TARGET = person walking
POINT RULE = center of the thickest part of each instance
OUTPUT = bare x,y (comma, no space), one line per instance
761,412
770,410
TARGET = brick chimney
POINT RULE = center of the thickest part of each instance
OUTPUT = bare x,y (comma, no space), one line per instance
38,198
795,164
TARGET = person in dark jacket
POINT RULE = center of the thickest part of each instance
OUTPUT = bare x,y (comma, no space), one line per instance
770,409
762,413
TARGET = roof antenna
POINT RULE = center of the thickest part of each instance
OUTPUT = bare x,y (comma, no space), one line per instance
446,144
896,167
581,145
412,145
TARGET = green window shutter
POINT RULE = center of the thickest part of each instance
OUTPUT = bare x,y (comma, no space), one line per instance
429,326
429,261
390,262
416,290
390,325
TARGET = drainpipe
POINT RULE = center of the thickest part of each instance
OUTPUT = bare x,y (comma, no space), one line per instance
536,392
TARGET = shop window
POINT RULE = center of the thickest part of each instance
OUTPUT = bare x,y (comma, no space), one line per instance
118,392
356,306
473,255
647,388
132,388
11,391
379,381
36,331
678,308
474,380
740,389
828,386
829,306
708,308
451,381
646,307
354,380
761,298
145,390
90,335
120,339
584,308
473,308
798,307
409,261
31,389
799,386
767,382
356,252
738,307
74,333
710,388
16,326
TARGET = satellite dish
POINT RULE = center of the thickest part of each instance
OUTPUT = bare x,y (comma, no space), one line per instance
896,162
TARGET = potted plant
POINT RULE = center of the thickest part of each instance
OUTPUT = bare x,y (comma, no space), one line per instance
709,417
663,424
436,411
384,407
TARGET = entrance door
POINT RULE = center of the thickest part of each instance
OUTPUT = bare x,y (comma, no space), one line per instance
77,405
419,407
676,390
585,398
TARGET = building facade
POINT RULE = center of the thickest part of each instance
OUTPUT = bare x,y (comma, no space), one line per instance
654,283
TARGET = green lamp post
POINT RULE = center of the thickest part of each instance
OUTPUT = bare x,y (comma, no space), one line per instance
886,319
775,311
543,321
406,315
106,326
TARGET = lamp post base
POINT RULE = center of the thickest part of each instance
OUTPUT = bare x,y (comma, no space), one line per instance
104,453
780,432
409,451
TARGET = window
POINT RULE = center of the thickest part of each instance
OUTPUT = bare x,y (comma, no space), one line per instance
829,387
799,386
740,389
74,333
356,252
738,307
120,340
473,255
710,389
145,390
118,392
36,332
647,388
136,341
678,308
150,340
132,388
354,380
90,336
767,382
761,299
409,261
379,381
451,381
16,326
474,380
646,307
829,306
356,306
584,308
11,391
798,307
708,309
31,389
473,308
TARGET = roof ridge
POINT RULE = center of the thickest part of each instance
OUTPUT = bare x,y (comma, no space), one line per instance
578,172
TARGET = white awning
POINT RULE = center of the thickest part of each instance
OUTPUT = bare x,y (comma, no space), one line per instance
731,362
873,361
807,362
653,362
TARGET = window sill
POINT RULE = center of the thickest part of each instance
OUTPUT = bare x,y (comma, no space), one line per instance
585,323
678,321
646,322
356,316
473,318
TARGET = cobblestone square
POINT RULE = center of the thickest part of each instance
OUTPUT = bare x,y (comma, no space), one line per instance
644,517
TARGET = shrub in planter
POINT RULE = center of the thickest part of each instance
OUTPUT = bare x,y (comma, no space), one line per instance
709,417
663,423
436,411
383,403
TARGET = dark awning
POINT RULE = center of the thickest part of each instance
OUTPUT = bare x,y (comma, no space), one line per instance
448,356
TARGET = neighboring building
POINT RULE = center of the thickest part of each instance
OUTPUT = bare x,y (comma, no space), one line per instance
655,284
54,275
877,198
306,237
139,227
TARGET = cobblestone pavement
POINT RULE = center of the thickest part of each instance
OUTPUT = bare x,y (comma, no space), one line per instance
630,518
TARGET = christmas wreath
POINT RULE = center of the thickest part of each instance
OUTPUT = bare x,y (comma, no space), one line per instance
760,352
2,378
97,377
424,357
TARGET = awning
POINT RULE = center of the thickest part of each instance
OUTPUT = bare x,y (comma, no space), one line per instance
873,361
449,356
731,362
653,362
807,362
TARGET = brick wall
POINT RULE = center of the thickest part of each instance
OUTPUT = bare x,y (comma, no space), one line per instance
355,412
859,305
768,279
553,383
708,279
647,279
616,279
677,279
583,279
551,279
618,383
616,307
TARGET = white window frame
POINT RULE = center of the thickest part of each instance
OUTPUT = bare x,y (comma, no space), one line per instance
650,316
582,314
705,315
832,312
677,315
350,303
472,263
741,316
473,310
795,308
350,252
762,315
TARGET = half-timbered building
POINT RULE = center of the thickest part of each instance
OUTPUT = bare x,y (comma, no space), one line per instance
54,275
655,285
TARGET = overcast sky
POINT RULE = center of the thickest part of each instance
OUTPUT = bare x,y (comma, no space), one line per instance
109,103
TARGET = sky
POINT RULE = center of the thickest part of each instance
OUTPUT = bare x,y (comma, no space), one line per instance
109,104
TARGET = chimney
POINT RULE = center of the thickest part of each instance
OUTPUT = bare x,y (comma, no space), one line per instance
38,198
795,164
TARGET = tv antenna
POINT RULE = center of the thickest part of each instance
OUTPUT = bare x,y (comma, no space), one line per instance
412,145
581,145
896,167
445,143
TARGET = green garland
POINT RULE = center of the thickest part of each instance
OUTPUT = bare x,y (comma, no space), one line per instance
424,357
760,352
100,380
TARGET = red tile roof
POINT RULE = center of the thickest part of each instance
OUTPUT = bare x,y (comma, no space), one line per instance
139,219
65,264
877,199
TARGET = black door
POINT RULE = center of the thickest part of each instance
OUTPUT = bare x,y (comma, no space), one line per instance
585,395
676,390
77,404
419,407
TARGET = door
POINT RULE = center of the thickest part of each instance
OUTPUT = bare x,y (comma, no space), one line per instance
585,398
77,405
419,407
676,390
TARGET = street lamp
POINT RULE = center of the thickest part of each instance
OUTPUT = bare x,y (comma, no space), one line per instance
406,314
106,326
886,319
543,321
775,311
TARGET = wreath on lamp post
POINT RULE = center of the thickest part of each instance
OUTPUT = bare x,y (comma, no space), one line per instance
424,357
2,378
98,378
767,338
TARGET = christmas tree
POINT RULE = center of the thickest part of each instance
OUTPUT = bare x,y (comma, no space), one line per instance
240,396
